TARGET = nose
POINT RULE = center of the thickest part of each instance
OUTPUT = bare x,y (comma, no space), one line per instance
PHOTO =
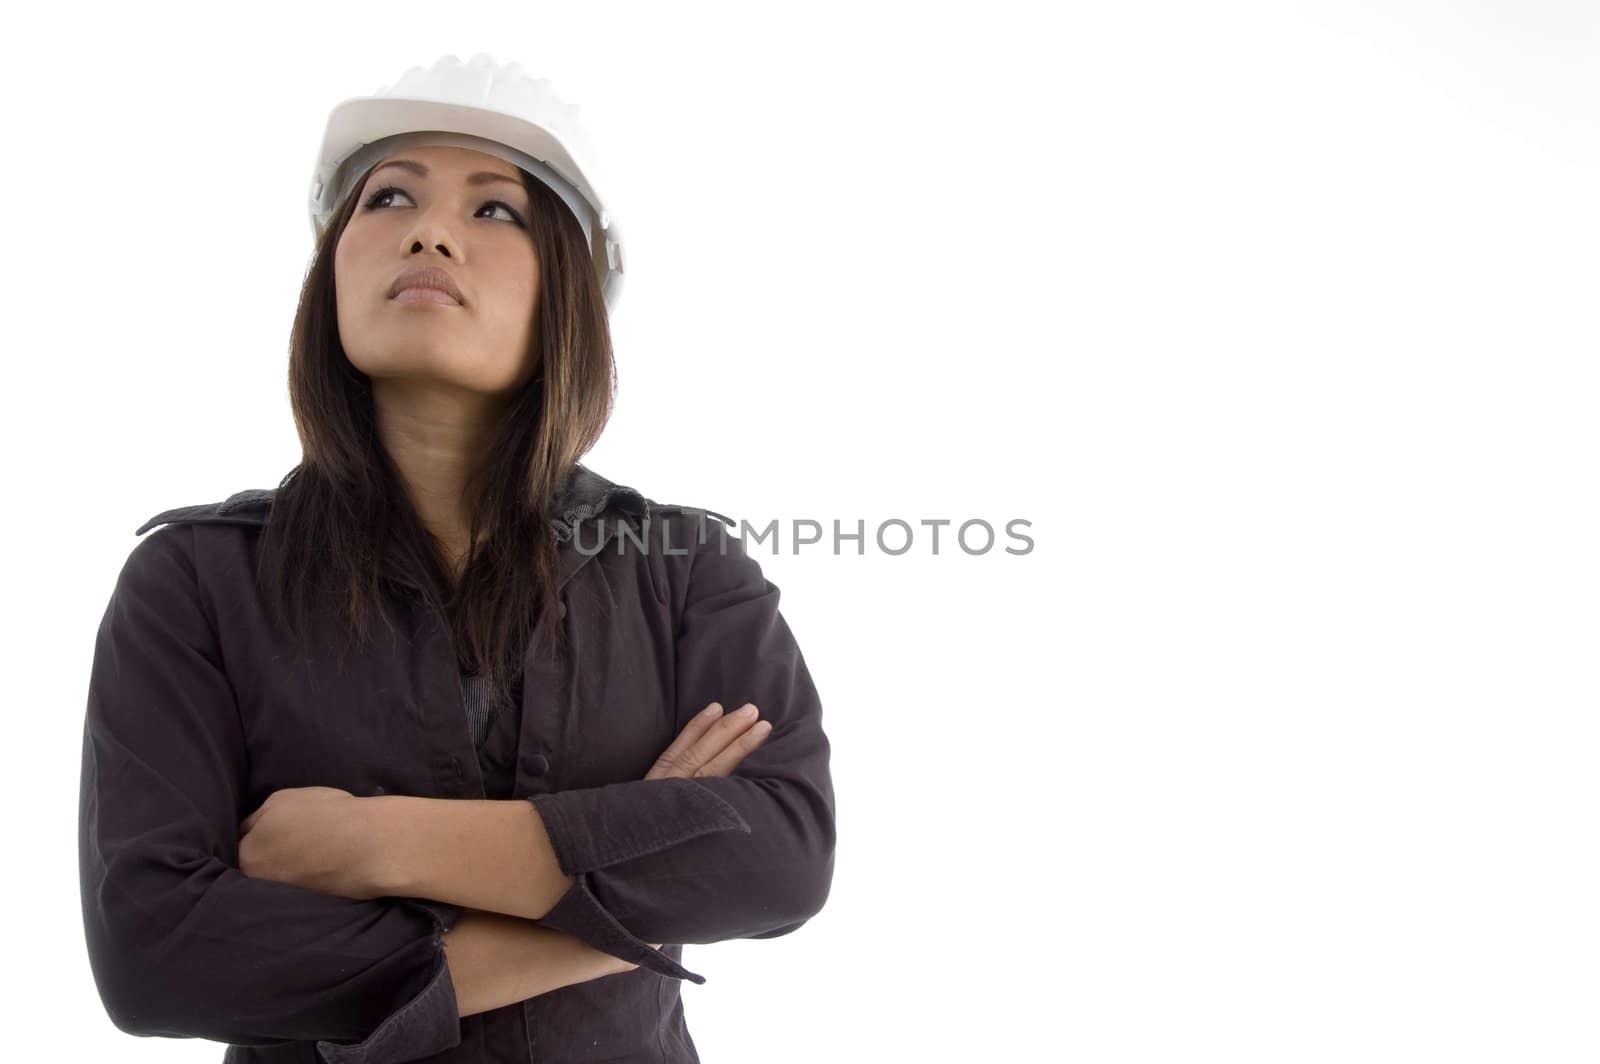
442,249
432,231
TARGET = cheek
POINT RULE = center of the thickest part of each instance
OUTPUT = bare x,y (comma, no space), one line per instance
365,325
509,328
514,304
357,248
521,283
350,278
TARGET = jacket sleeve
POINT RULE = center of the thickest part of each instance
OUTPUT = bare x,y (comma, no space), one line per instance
748,855
181,943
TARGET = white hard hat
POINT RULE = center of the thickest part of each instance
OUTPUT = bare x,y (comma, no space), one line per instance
491,107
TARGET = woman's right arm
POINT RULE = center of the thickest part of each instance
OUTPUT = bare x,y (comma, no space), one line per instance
181,943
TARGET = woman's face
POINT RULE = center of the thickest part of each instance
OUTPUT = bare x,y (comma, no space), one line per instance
459,211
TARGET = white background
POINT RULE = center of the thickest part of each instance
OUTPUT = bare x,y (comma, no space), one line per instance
1276,321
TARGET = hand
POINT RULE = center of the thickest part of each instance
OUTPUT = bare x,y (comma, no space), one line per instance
314,837
711,744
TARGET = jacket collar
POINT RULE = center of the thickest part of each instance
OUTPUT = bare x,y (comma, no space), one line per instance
583,495
586,494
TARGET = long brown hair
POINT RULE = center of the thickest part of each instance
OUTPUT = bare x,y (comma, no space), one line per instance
341,521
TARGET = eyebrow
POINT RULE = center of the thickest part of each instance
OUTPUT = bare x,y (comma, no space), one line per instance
482,177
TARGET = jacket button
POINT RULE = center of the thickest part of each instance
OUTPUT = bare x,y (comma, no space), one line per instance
538,765
561,609
377,790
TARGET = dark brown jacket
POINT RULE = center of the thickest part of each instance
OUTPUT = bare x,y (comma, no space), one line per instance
199,708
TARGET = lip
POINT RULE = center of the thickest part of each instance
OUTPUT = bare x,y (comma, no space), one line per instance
423,281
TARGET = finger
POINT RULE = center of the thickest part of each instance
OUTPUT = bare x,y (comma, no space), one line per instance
680,752
725,731
725,762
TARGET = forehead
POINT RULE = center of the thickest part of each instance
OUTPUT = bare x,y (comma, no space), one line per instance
450,161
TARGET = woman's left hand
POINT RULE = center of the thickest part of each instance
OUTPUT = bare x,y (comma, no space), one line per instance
314,837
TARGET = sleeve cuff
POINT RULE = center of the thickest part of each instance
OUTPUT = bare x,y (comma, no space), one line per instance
429,1023
580,914
595,827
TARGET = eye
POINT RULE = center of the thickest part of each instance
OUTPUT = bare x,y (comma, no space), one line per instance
515,217
383,193
375,202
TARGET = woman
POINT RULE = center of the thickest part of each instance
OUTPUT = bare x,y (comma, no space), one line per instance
405,759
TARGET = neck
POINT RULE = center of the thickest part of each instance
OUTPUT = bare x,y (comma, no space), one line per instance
436,437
